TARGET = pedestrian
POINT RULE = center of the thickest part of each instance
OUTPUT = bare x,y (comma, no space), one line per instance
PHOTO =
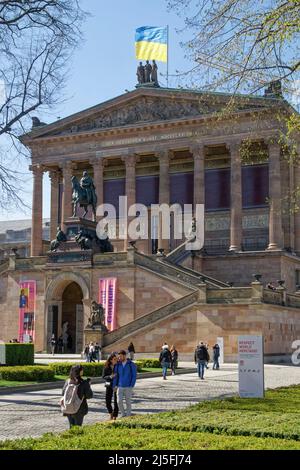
174,359
75,393
92,353
86,353
108,375
165,359
70,343
216,355
53,344
124,381
98,352
131,351
60,345
201,357
206,364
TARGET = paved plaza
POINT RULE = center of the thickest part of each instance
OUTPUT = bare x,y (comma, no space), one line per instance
35,413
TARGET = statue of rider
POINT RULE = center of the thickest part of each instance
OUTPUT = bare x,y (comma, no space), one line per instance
87,183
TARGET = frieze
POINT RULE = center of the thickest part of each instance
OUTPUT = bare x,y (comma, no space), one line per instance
217,223
256,221
143,110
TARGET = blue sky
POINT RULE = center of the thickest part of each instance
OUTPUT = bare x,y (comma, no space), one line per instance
105,65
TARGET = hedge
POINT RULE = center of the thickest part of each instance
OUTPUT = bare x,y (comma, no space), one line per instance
90,369
148,363
19,354
27,374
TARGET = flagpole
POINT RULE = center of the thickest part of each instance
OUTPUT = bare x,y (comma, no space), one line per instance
167,56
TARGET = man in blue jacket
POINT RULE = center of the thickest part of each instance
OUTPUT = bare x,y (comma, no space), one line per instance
124,381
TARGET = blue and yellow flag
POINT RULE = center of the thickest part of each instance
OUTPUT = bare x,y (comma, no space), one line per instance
151,43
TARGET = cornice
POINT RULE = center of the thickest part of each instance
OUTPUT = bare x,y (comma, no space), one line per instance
125,131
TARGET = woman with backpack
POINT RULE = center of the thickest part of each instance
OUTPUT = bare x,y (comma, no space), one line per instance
108,375
75,393
165,359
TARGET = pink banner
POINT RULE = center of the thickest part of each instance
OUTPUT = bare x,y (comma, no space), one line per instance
107,297
27,297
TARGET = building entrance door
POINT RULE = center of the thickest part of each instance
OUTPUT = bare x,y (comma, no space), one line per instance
72,319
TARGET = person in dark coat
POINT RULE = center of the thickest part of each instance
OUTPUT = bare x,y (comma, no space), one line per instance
165,359
108,375
84,392
201,358
131,351
174,360
216,355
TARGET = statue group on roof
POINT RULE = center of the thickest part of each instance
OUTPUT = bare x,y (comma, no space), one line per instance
147,73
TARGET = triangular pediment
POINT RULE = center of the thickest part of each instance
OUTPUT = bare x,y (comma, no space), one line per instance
144,106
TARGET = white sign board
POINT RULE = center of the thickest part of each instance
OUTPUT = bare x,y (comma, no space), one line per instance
251,366
2,354
220,342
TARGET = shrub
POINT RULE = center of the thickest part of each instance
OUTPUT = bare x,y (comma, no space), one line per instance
90,369
19,354
148,363
27,374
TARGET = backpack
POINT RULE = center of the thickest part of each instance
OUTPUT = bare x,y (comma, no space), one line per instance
200,354
166,356
70,403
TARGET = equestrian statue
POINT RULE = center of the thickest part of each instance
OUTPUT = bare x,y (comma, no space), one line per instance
84,194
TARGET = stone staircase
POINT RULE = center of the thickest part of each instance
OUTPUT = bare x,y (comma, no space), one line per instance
150,318
180,253
163,266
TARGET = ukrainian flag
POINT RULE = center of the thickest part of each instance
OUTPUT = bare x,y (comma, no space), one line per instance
151,43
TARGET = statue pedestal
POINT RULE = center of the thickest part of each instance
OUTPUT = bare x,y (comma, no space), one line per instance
93,335
75,224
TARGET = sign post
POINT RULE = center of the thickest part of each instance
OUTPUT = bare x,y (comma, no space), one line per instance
251,366
2,354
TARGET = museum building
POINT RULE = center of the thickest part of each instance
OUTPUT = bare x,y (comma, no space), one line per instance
164,146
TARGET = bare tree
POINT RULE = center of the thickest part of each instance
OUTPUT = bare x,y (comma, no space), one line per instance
37,37
239,45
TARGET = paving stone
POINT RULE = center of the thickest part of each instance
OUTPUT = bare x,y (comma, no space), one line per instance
35,413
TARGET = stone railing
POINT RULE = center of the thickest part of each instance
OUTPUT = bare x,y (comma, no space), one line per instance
200,276
178,273
180,253
229,295
104,259
273,297
293,300
150,318
4,266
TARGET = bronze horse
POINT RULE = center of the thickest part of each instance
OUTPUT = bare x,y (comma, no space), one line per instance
79,197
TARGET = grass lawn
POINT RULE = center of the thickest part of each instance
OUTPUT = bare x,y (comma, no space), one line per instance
232,423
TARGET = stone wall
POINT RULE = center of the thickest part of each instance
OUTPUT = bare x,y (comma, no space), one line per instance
152,291
280,327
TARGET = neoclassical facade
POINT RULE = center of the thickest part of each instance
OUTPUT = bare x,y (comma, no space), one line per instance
169,146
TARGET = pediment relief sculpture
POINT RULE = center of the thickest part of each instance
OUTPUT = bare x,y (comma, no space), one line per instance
143,110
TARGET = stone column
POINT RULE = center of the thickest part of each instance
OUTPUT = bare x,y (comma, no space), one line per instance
54,222
37,211
98,165
199,181
275,215
236,226
67,193
164,194
130,189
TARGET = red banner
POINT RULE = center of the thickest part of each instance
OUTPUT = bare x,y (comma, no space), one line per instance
107,297
27,297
